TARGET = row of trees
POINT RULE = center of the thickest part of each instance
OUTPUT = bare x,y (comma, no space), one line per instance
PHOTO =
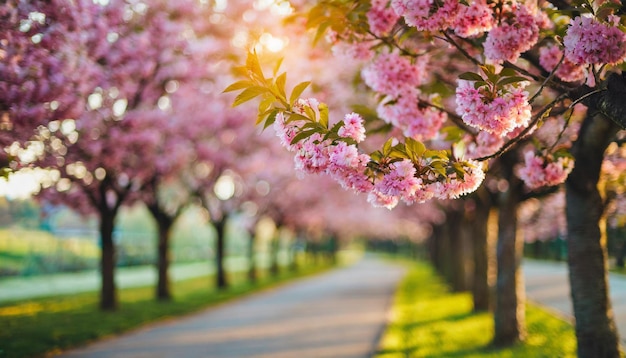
512,97
121,102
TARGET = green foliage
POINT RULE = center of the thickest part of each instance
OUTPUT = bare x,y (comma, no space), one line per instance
492,82
38,326
429,321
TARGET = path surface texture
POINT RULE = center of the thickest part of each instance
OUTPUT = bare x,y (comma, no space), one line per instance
337,314
547,283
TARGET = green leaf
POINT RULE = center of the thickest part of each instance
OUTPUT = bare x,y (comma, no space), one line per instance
238,86
453,133
414,147
387,147
281,81
271,118
303,135
297,117
509,80
266,103
321,30
297,91
508,72
253,65
471,76
323,108
277,66
248,94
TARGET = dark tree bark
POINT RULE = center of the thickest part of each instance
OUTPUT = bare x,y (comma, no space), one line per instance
220,243
482,251
458,247
434,247
108,293
587,256
274,246
509,315
252,269
621,254
163,290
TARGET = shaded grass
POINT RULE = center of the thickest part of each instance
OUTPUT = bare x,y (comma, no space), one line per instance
49,325
428,320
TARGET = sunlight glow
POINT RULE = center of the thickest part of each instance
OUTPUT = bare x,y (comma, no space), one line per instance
27,182
273,44
224,187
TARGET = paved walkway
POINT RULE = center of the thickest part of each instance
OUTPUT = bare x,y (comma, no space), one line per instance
338,314
547,283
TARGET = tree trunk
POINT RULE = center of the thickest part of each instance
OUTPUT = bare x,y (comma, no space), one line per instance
108,294
220,272
252,271
587,256
163,292
457,249
274,246
509,315
434,247
481,287
621,254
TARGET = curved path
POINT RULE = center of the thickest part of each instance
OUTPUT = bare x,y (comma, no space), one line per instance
338,314
547,283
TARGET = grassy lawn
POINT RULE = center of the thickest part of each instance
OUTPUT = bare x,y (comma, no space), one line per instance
429,321
45,326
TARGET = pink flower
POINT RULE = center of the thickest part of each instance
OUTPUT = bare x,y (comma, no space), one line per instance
484,144
286,132
426,15
379,199
454,187
343,156
352,127
589,41
500,115
421,123
400,181
393,75
549,58
381,18
474,19
516,34
539,171
312,157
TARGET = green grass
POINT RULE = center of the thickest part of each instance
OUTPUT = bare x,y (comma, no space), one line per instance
429,321
45,326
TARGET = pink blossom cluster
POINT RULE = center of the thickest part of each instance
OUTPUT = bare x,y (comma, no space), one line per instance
483,144
500,115
353,50
344,163
424,16
415,121
356,49
589,41
315,155
381,17
539,171
474,19
394,75
549,58
352,127
517,32
401,183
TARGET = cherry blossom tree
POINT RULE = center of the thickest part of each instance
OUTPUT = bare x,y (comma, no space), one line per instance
47,64
502,69
100,154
